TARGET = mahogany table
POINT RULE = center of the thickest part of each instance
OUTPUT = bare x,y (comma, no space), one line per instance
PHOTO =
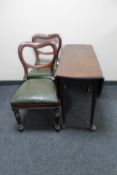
78,64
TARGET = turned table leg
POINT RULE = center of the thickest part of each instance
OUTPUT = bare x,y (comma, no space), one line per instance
58,119
94,97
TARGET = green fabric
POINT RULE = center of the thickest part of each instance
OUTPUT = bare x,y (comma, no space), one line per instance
41,91
40,73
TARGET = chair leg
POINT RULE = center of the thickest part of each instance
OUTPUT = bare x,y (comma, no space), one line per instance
18,119
58,119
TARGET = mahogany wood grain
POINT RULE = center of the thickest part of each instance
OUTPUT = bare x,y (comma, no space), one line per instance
79,61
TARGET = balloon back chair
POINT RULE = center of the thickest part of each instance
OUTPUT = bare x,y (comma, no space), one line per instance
45,72
36,93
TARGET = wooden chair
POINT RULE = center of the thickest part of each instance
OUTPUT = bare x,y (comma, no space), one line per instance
45,72
36,93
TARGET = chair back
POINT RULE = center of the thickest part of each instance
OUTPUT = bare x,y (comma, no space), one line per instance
41,38
38,47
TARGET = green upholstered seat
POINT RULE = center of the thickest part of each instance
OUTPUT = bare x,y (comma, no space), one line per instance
42,91
40,73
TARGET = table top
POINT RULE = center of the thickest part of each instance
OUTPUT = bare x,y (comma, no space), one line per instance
78,61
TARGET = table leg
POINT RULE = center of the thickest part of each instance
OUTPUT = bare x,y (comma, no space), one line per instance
58,119
60,91
62,108
94,97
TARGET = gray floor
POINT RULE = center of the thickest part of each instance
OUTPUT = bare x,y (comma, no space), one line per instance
39,150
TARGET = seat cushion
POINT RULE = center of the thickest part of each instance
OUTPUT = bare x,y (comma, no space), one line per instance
39,91
40,73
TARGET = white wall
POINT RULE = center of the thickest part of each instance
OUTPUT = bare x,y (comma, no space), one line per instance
78,21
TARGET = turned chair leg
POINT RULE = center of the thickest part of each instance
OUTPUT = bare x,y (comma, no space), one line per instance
58,119
18,119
